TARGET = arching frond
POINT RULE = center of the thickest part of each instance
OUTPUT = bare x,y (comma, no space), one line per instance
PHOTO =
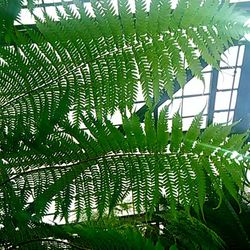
100,59
95,171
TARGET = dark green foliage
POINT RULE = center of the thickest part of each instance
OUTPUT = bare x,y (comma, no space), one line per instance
189,233
96,236
232,226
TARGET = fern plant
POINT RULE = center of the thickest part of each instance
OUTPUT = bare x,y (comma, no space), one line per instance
90,65
97,170
99,59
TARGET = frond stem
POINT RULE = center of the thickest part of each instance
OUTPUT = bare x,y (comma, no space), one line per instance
80,162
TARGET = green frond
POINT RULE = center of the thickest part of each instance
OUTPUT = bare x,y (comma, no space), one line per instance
162,131
192,133
176,133
107,163
84,51
150,132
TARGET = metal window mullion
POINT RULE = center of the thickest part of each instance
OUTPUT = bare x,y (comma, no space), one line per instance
212,96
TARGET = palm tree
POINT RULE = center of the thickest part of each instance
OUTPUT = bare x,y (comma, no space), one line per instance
78,69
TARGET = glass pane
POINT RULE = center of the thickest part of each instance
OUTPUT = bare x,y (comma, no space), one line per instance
38,12
194,105
220,117
186,122
116,118
174,107
179,93
222,100
164,105
229,57
51,11
225,79
25,18
223,117
196,86
207,69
